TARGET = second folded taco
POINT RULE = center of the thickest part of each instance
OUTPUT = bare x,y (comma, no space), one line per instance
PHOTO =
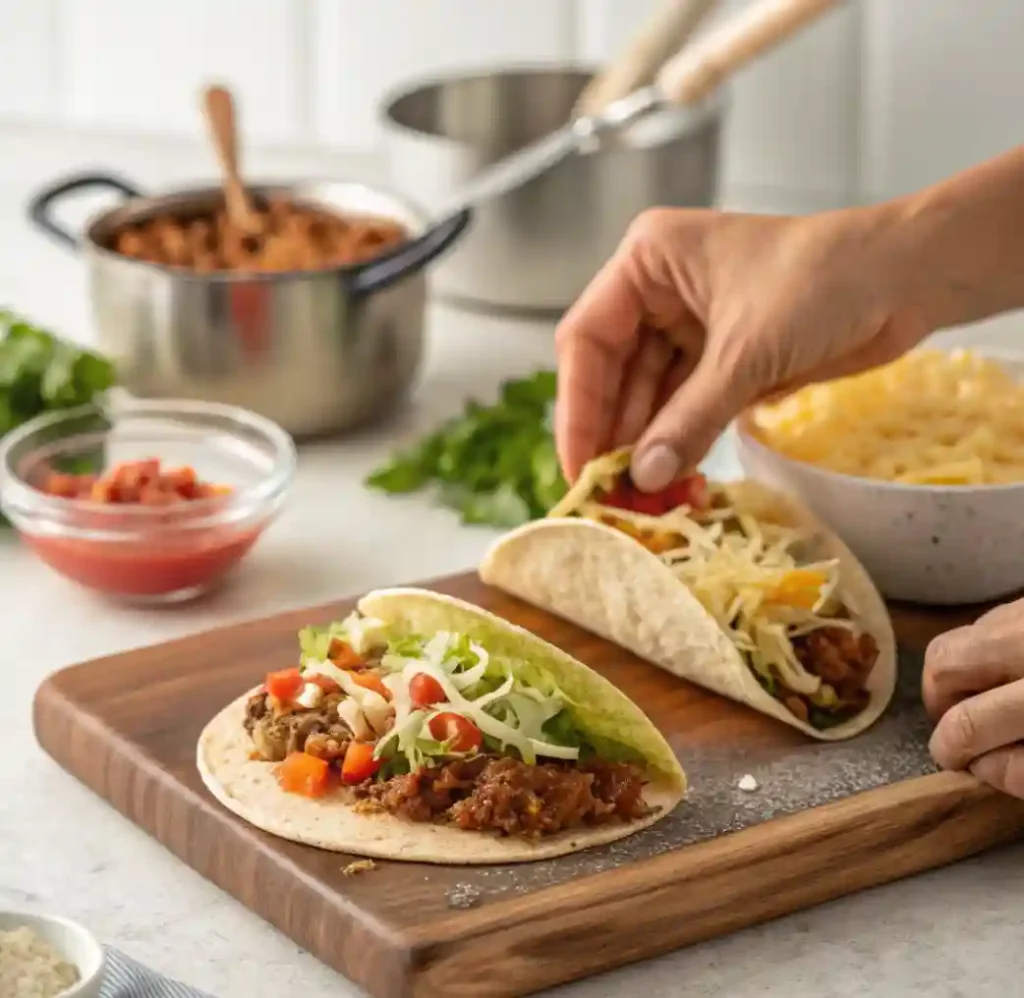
734,587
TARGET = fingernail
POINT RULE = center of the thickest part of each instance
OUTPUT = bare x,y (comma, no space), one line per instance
655,467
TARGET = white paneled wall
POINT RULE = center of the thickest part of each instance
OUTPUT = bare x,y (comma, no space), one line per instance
365,48
945,90
880,97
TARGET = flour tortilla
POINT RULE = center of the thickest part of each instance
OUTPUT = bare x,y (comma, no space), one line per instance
248,788
601,579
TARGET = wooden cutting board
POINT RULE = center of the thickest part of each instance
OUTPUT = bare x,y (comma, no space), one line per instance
826,821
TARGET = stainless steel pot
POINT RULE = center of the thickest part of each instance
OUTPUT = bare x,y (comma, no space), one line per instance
537,247
316,351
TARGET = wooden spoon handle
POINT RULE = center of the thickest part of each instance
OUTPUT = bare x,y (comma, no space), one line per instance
698,70
219,109
668,31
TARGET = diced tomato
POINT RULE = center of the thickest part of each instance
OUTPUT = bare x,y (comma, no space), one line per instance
130,476
649,503
359,763
104,491
303,774
284,684
181,481
371,681
342,654
627,496
460,732
690,491
325,683
63,486
425,690
134,482
153,495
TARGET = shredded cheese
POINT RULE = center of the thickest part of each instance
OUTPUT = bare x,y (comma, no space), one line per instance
749,581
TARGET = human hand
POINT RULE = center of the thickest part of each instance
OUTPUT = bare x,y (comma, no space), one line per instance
699,314
973,687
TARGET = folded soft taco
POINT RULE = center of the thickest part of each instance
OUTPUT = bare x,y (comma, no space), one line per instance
731,586
423,728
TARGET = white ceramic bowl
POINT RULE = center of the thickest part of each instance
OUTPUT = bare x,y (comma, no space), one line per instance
76,944
921,543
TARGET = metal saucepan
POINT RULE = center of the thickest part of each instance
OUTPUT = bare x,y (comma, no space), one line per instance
316,351
550,209
535,248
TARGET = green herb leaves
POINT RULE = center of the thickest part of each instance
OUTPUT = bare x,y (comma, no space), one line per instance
494,465
40,373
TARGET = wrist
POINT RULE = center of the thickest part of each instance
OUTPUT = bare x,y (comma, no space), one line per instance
888,250
928,260
960,243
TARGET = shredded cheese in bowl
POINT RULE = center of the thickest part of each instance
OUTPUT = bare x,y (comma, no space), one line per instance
31,968
931,418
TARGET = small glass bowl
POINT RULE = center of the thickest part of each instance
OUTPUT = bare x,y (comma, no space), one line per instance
147,554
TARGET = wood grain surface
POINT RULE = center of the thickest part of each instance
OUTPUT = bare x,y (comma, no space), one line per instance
829,820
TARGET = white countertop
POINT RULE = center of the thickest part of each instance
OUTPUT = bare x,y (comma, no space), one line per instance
949,934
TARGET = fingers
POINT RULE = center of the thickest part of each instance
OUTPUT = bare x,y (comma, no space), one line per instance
593,341
976,726
641,387
601,331
1002,769
969,660
687,426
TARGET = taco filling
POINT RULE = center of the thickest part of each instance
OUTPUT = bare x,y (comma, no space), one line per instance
755,578
433,728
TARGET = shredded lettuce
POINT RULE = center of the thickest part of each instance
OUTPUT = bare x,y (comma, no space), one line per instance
516,704
363,634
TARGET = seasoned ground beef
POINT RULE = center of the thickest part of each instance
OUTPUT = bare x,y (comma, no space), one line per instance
841,659
277,733
489,793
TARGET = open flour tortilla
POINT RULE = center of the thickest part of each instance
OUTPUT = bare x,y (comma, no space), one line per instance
248,787
600,579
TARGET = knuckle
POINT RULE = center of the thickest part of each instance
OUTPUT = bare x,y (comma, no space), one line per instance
955,736
650,226
945,653
964,727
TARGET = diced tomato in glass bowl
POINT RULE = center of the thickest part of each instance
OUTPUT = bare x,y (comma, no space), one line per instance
149,501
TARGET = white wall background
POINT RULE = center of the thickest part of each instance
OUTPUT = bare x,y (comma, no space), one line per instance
881,97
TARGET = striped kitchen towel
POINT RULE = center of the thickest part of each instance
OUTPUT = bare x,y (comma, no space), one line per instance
127,979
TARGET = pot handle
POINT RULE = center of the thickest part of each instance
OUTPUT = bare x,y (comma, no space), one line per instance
383,271
39,208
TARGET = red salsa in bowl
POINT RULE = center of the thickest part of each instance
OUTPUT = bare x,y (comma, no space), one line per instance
145,528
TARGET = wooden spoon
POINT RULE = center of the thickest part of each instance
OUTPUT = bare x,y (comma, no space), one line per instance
668,30
219,109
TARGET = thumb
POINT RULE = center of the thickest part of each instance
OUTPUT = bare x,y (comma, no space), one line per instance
688,425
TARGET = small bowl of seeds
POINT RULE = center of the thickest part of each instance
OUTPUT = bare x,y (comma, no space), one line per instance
44,956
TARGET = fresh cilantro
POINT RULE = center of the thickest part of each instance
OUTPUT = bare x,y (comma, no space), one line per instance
494,465
41,373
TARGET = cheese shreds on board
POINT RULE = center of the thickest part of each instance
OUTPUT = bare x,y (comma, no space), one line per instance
748,580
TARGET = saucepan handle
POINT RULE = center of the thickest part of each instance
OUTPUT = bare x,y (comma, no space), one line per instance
703,66
40,208
383,271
